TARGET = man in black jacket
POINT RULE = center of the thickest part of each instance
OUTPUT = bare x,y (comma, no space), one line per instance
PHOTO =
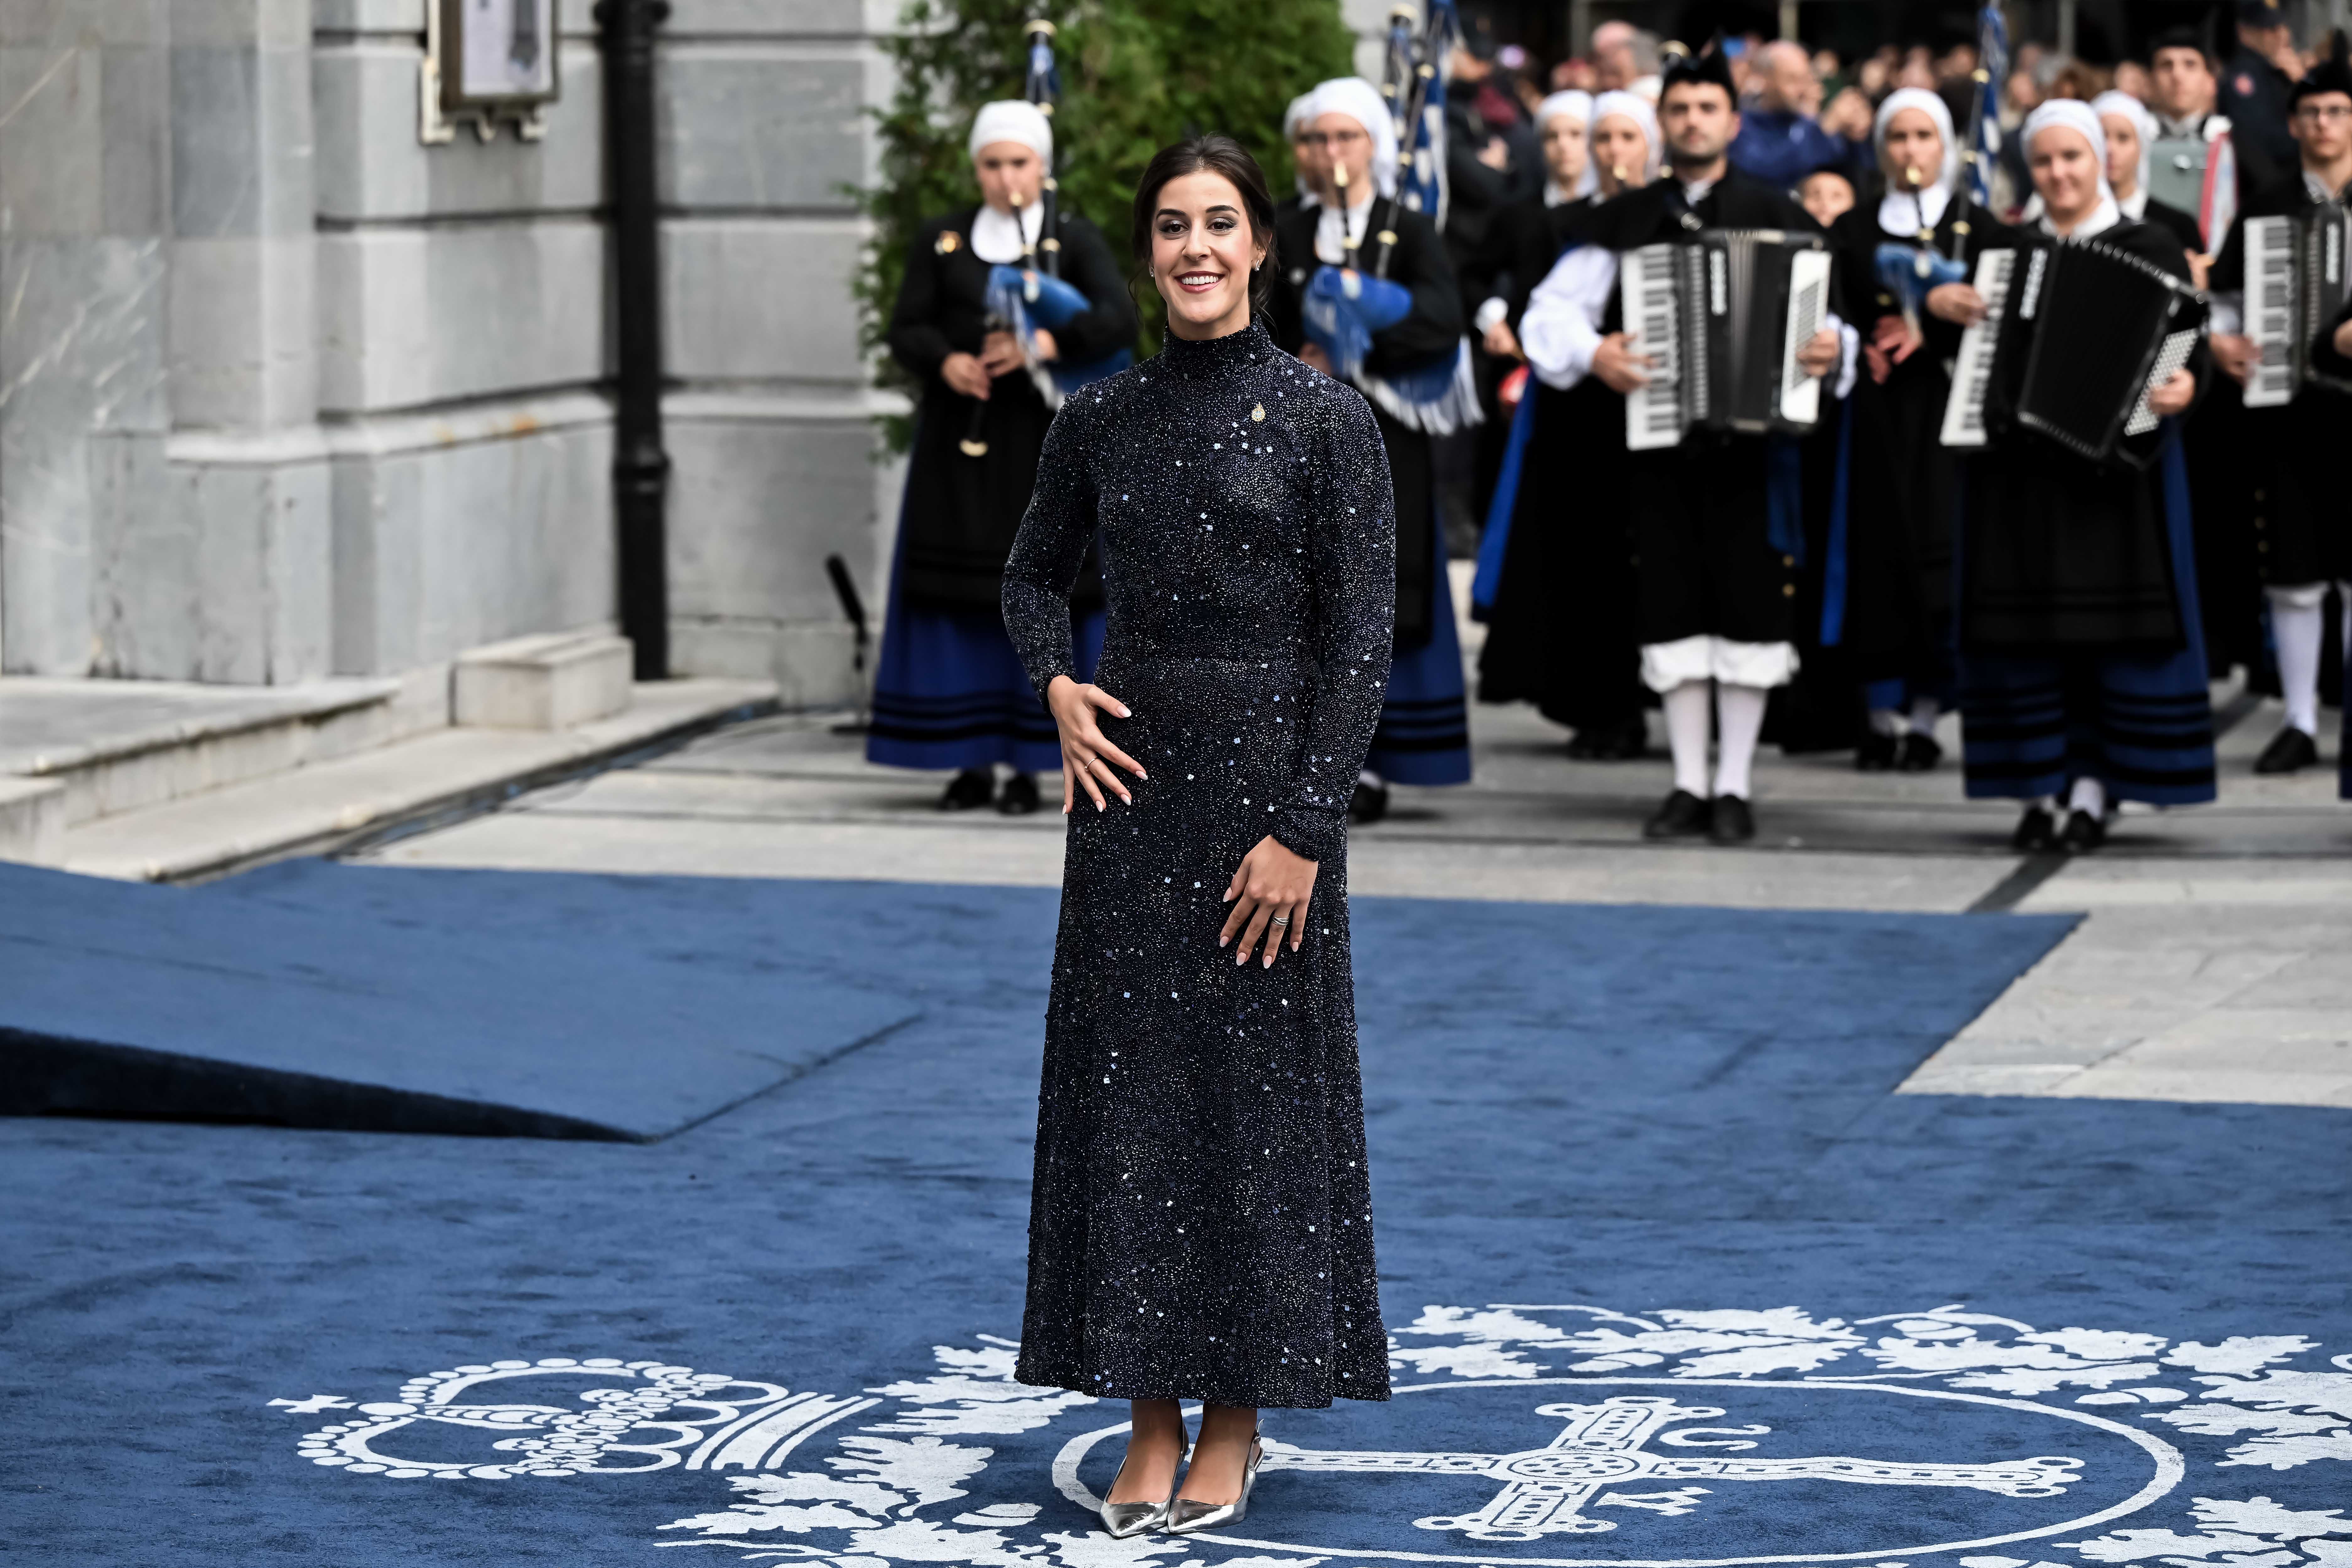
2302,511
1715,588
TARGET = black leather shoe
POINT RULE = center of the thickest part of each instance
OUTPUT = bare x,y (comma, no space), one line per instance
2037,831
2290,750
1684,815
1626,742
1731,822
1920,753
1368,804
1875,755
970,788
1019,796
2083,833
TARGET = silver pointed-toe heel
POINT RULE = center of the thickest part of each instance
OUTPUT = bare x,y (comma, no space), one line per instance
1186,1515
1126,1519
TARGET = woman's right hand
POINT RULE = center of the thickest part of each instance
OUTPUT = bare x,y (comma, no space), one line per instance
964,372
1087,757
1958,303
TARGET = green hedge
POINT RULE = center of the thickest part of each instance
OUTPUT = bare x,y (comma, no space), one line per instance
1135,75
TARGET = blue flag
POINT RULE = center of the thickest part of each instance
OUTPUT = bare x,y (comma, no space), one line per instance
1992,75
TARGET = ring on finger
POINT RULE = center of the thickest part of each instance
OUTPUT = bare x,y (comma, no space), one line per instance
1282,919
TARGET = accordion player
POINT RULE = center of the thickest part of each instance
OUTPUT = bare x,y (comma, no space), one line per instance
1724,316
2076,335
2296,287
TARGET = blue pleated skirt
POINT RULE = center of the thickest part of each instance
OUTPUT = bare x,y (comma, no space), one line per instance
2140,722
1425,732
950,692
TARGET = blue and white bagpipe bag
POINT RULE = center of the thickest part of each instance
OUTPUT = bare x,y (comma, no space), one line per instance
1344,306
1030,298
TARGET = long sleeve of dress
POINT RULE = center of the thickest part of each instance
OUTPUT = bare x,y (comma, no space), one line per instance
1351,547
1049,548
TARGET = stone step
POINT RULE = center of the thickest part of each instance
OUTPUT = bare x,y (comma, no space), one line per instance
32,819
115,746
329,806
553,681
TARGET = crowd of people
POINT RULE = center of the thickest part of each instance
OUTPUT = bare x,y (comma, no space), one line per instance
1841,588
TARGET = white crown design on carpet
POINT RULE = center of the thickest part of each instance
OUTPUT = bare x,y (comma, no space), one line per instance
1630,1446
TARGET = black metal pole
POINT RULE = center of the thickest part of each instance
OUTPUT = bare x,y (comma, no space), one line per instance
640,466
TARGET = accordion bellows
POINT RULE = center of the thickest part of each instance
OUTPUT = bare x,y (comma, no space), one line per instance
2080,332
1722,316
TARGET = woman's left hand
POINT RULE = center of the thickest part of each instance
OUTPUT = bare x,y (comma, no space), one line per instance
1272,885
1048,350
2174,396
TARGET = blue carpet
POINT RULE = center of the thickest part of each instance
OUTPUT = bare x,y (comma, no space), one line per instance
122,999
1672,1278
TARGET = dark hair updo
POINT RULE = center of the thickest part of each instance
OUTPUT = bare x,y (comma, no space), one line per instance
1207,156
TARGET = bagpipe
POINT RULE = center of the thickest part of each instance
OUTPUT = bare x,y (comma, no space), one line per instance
1032,295
1343,306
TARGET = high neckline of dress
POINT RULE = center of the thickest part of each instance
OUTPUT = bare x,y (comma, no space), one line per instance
1217,356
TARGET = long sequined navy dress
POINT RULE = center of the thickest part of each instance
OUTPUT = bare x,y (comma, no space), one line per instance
1201,1226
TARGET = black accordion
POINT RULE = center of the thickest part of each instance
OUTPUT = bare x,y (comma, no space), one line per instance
1722,316
2295,287
2075,339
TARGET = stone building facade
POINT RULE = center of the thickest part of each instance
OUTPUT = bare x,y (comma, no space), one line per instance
287,393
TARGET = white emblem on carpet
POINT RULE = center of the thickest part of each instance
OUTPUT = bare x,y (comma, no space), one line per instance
1627,1443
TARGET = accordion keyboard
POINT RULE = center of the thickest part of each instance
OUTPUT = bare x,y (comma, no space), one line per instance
1964,414
2271,312
1653,315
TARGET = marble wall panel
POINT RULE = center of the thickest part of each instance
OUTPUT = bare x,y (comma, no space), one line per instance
751,125
241,140
82,351
778,19
257,511
51,156
762,299
444,545
244,332
371,167
414,316
84,23
760,497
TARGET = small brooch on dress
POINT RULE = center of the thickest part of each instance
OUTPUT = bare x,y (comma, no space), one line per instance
949,239
1258,413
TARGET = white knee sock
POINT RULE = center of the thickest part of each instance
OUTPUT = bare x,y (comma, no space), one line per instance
1686,717
2296,627
1924,711
1739,711
2088,795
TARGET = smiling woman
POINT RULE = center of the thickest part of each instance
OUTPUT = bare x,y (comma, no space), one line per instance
1200,1221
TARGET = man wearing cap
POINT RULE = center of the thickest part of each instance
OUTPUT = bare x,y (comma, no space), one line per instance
2301,508
2256,88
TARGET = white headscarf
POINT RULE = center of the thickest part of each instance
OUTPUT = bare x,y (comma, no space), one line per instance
1638,110
1577,104
1012,120
1292,119
2074,114
1360,101
2133,110
1935,109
